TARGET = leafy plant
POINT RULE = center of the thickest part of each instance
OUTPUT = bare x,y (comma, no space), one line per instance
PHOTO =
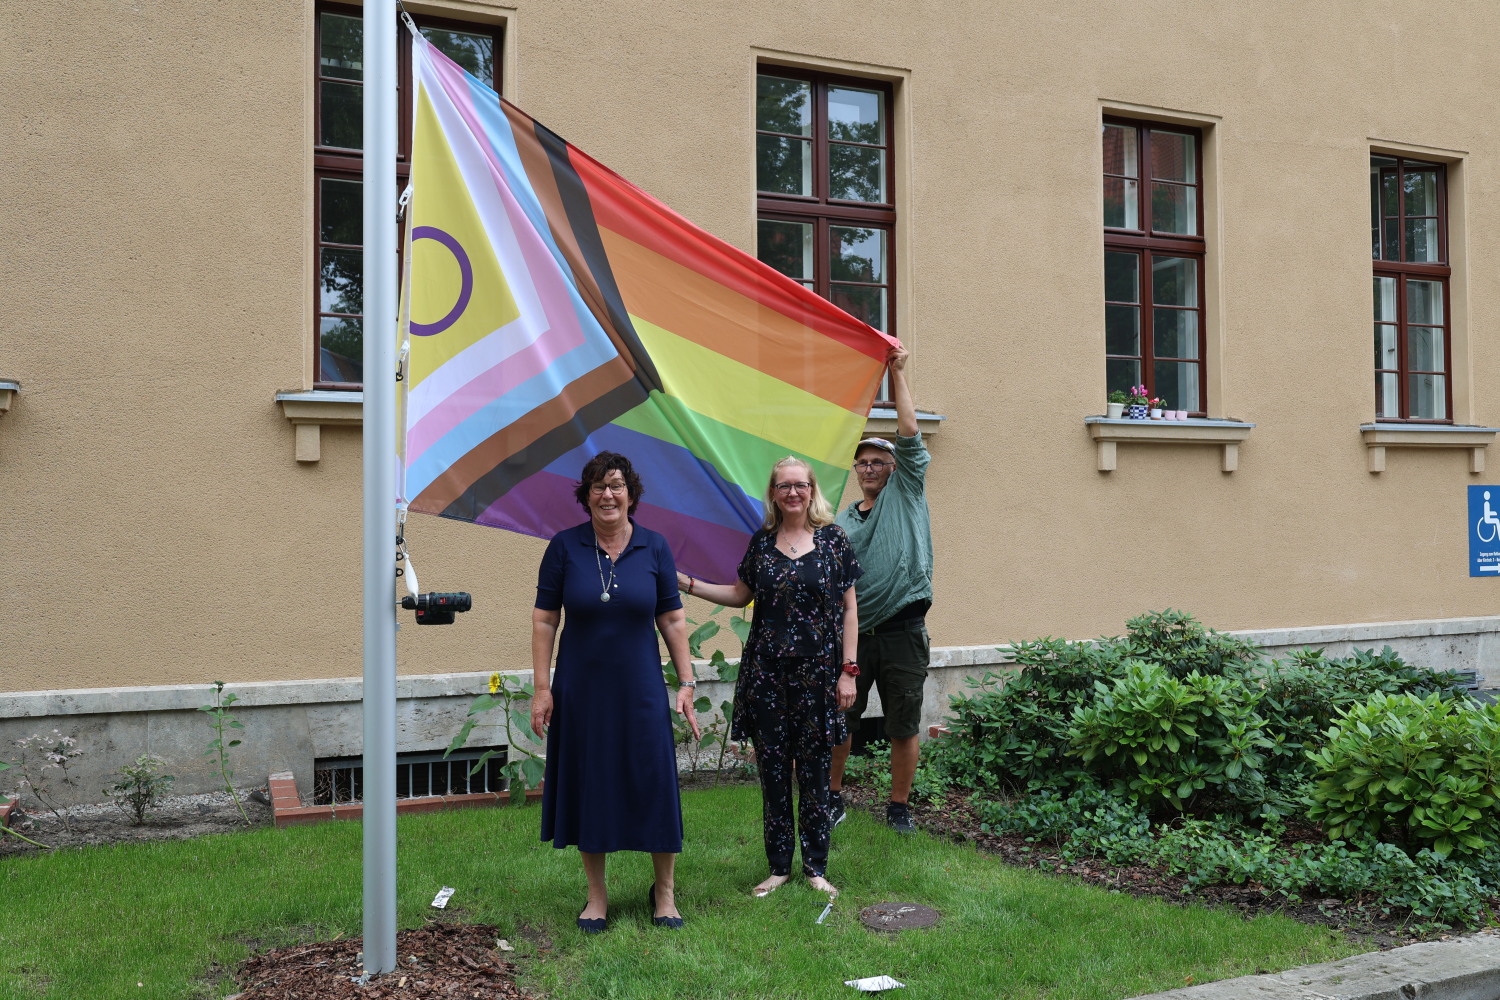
140,787
38,756
1424,771
1156,738
219,719
714,732
506,693
930,782
1118,396
6,830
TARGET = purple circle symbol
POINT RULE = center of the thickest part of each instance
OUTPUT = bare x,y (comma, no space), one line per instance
466,273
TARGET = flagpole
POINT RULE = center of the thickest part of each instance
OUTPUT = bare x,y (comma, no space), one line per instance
379,794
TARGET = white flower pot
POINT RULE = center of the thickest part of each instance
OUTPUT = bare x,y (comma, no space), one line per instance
1114,410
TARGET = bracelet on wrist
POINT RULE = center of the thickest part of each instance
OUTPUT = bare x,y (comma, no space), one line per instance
687,684
851,668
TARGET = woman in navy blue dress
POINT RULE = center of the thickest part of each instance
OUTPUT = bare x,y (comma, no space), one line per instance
611,779
797,669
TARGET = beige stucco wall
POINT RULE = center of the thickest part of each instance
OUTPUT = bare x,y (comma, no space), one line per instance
155,171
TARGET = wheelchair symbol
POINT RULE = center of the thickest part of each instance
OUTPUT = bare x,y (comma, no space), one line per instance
1488,520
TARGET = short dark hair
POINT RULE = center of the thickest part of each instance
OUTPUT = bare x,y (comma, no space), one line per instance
602,465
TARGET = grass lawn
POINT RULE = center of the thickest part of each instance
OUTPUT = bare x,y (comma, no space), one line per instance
173,916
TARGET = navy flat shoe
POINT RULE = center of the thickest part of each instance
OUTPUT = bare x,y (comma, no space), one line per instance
594,925
671,923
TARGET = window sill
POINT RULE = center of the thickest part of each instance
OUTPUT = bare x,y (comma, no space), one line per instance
1108,433
310,412
1378,437
882,422
8,390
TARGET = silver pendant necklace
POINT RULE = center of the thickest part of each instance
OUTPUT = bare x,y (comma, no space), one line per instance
604,588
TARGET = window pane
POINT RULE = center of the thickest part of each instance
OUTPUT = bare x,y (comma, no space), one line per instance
1391,248
783,105
1385,300
1427,397
787,246
1122,278
856,173
475,53
1177,383
340,114
340,281
1174,281
341,46
1385,346
1173,157
1420,188
1422,241
856,115
1390,195
1122,330
861,301
1176,333
341,211
856,254
1120,208
1121,374
340,349
783,166
1388,395
1424,302
1120,156
1424,349
1174,209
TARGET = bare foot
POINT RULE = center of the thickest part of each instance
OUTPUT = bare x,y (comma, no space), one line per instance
769,886
821,884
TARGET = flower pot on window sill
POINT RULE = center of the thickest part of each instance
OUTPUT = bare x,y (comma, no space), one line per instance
1179,414
1155,413
1114,410
1137,411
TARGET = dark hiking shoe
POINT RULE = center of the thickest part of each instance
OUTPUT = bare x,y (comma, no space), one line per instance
836,814
898,818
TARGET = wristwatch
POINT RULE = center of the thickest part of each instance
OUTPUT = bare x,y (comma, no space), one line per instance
851,668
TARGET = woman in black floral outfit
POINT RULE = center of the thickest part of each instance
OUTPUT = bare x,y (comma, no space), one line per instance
798,667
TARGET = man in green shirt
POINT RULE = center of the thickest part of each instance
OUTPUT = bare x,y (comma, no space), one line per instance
891,531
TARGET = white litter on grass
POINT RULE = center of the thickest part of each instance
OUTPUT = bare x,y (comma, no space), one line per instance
441,899
875,984
826,910
503,944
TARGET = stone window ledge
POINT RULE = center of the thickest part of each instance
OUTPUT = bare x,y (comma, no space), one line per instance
311,411
8,389
1108,433
1378,437
882,422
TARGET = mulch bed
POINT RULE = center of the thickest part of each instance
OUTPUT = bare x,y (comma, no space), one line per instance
953,817
448,961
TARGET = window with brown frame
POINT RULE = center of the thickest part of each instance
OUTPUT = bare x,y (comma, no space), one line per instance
1153,261
338,168
1409,246
825,176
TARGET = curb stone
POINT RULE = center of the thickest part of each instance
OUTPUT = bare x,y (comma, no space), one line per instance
1464,968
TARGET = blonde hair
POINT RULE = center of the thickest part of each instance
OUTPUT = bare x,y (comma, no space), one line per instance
819,512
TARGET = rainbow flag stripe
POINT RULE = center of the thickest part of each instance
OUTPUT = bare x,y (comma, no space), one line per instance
554,311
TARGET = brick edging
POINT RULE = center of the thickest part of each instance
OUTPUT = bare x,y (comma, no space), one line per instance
287,808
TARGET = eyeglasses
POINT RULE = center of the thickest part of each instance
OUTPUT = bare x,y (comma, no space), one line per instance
787,488
599,489
876,465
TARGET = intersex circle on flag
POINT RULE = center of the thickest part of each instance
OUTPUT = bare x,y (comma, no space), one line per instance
466,280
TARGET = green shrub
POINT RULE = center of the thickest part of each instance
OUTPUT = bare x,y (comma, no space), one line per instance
1160,739
1180,644
929,784
1424,771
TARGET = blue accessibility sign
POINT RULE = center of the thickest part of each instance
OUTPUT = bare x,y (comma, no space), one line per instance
1484,531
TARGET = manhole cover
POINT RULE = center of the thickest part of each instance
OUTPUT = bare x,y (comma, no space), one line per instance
898,916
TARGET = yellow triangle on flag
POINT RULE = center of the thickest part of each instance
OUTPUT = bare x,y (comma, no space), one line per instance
459,294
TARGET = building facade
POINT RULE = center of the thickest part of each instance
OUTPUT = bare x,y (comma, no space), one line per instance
1230,207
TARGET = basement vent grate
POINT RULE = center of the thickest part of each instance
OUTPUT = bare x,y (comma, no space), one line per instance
337,780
